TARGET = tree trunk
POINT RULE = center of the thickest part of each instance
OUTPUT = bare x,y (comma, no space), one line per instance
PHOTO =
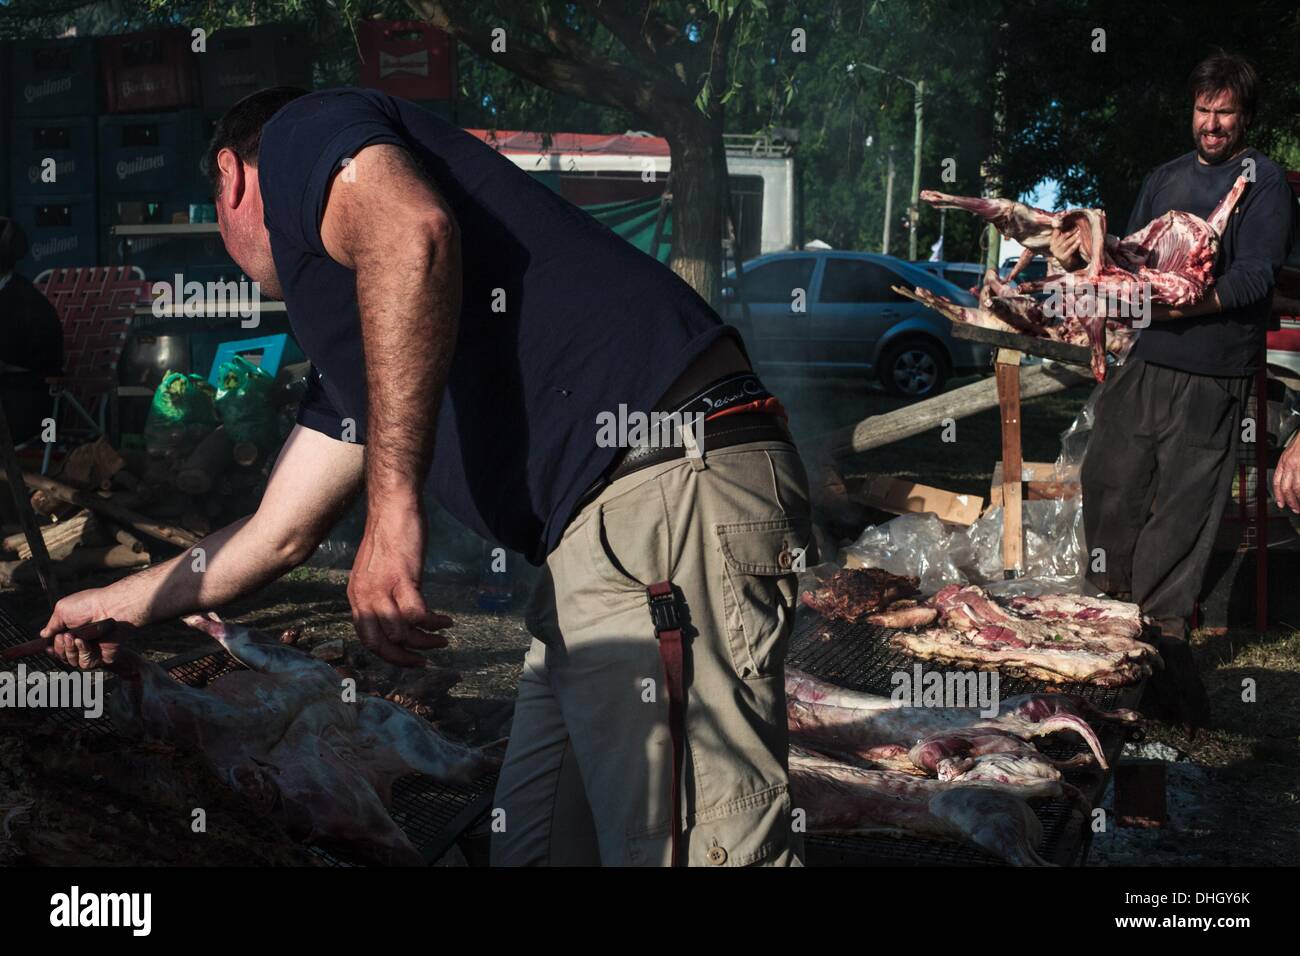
698,186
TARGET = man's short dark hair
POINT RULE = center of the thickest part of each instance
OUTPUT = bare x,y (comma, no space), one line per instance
240,129
1226,71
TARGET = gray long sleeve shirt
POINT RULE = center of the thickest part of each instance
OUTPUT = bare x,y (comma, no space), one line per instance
1254,246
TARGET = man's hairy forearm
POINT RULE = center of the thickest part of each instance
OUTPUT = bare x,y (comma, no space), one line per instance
409,301
386,221
234,560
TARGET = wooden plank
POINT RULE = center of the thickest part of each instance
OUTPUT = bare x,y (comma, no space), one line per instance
1008,383
907,497
172,534
919,417
1038,479
1029,344
27,517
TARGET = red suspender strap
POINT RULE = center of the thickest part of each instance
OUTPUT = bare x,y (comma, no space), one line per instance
668,629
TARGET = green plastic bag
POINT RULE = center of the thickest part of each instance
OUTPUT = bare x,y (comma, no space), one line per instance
183,411
244,404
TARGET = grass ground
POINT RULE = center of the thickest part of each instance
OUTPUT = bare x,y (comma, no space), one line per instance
1234,791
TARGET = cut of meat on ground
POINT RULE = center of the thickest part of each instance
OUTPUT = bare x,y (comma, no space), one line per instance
853,593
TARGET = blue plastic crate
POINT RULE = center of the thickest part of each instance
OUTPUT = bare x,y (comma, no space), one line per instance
147,152
68,140
61,231
54,77
243,60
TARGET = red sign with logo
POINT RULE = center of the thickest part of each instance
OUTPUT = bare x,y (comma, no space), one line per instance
407,58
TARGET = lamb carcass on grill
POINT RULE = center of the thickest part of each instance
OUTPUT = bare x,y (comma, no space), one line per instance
957,744
1169,261
282,735
840,798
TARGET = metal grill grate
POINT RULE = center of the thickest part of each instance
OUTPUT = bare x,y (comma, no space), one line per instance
858,656
11,635
431,814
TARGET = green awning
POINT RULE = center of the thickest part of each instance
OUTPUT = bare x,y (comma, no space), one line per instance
634,220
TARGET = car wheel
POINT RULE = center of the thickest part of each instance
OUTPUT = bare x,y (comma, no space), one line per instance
915,368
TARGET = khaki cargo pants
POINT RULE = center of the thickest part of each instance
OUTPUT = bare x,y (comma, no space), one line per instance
588,771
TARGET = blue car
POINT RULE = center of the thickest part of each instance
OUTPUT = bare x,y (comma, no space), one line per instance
831,310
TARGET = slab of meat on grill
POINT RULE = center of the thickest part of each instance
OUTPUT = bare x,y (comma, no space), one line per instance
1078,607
976,631
1170,261
853,593
844,799
905,613
952,743
281,734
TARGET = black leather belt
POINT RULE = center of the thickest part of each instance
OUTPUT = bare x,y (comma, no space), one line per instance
722,432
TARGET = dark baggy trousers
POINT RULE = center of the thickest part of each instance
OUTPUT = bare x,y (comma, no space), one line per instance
1156,478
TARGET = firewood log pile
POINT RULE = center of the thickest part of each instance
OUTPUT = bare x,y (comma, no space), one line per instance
108,509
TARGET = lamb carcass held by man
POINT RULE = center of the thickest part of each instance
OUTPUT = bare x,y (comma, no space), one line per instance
1169,261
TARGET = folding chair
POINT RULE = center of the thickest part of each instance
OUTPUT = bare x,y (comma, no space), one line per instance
94,305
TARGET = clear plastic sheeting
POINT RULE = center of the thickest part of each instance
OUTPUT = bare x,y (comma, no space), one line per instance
915,545
1054,555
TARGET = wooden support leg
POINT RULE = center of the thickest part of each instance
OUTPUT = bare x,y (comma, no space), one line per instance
1013,532
26,517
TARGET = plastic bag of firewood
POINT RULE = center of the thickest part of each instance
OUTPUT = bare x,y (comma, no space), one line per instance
183,412
246,410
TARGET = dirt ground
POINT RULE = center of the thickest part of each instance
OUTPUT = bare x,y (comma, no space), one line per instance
67,797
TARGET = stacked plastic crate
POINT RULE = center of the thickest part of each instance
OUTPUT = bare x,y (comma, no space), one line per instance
148,145
237,62
51,178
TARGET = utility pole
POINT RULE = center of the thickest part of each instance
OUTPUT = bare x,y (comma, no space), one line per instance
889,203
914,212
992,171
